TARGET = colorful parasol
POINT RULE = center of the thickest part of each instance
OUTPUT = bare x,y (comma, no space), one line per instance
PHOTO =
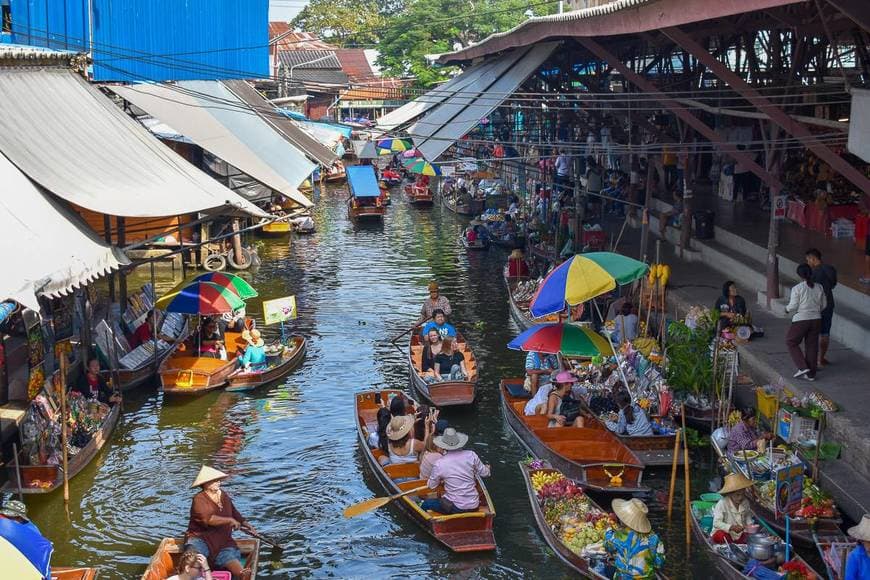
386,146
584,277
203,298
567,339
421,166
24,552
235,283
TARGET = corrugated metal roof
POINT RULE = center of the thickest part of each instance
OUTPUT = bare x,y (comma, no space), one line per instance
310,59
293,40
23,54
355,64
315,78
73,141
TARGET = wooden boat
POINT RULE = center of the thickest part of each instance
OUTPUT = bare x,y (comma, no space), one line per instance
833,550
730,561
520,308
419,196
509,243
70,573
801,529
474,208
335,173
359,211
572,559
276,369
184,374
465,532
53,474
653,450
591,455
700,418
277,228
131,378
477,245
445,393
164,562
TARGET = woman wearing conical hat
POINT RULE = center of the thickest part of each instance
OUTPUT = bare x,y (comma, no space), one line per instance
732,514
637,551
858,562
213,519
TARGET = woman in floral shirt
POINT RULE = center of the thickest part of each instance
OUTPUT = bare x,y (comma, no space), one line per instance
637,551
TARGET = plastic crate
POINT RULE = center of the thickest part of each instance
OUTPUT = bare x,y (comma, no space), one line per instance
766,403
791,427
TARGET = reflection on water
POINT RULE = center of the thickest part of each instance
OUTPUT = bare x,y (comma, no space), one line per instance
291,447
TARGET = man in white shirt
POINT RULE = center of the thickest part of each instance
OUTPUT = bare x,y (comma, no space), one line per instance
563,170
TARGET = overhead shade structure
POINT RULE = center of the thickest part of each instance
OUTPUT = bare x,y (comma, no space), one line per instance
328,136
452,119
75,142
213,117
312,148
369,151
69,252
362,181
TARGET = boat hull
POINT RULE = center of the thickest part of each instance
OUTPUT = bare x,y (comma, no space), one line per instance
475,208
446,393
291,360
419,196
478,245
72,573
163,562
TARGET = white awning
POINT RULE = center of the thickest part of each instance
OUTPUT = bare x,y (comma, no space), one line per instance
213,117
48,249
75,142
452,119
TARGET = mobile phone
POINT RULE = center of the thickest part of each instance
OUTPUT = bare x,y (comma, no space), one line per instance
378,398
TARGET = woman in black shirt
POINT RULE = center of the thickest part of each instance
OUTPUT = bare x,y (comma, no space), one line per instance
730,304
450,363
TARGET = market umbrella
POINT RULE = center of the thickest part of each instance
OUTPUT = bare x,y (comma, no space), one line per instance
204,298
235,283
394,145
583,277
24,552
568,339
411,153
421,166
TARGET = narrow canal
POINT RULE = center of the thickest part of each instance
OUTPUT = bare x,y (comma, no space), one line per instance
292,446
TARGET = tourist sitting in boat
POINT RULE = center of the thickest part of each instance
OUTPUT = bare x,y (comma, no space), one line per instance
93,386
431,349
731,514
145,332
637,551
235,321
192,566
631,419
440,324
858,561
745,435
537,405
471,235
254,357
398,406
539,367
562,408
435,302
213,519
209,339
625,324
378,439
402,446
450,363
432,453
458,471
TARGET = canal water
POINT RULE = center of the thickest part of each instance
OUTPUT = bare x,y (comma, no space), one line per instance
292,446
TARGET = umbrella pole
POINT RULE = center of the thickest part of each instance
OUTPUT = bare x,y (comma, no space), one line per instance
616,355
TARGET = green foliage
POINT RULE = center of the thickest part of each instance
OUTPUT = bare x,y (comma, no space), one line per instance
343,22
689,364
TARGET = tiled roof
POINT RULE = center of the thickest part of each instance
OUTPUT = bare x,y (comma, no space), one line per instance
310,59
355,63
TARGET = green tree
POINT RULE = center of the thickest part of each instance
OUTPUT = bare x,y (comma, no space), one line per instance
342,22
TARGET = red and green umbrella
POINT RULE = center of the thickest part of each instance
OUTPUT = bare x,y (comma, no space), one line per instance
204,298
386,146
568,339
235,283
421,166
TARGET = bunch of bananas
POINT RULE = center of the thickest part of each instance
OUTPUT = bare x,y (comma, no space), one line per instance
542,478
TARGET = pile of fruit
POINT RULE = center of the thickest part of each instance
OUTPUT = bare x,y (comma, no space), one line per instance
814,504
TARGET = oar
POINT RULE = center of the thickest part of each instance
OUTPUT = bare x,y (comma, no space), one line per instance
410,329
262,538
368,505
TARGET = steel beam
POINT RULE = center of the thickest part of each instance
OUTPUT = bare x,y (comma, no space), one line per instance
856,10
776,114
680,111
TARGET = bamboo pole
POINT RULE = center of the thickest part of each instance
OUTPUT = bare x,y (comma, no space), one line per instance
17,470
63,428
674,473
686,474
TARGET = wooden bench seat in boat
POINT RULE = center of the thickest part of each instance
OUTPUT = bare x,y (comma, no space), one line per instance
591,451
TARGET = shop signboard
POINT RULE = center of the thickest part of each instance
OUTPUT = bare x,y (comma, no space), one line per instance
789,488
279,309
780,203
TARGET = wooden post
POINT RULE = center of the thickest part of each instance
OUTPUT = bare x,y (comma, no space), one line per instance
63,428
18,470
686,474
674,473
237,242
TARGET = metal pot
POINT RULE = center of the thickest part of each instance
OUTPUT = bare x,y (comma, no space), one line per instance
779,553
760,546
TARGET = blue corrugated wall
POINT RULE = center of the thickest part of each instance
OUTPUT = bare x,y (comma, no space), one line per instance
155,40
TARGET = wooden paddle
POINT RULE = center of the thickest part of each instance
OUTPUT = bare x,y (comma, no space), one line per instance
262,538
410,329
368,505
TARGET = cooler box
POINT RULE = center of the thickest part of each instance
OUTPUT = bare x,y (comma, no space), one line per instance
791,427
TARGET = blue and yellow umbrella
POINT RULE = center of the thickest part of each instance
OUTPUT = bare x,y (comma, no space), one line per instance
386,146
24,552
584,277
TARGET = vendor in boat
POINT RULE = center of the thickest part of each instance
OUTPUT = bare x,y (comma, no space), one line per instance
440,324
192,566
732,514
471,235
431,349
458,471
213,519
637,551
209,339
539,367
730,304
254,357
858,561
435,302
94,386
745,435
450,363
562,409
517,266
402,446
625,324
631,419
145,332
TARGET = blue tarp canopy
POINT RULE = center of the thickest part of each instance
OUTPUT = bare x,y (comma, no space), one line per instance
362,181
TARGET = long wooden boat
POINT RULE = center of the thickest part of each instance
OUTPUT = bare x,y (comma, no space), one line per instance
835,564
801,529
131,378
731,568
335,173
509,243
418,196
72,573
472,209
653,450
164,562
465,532
520,308
590,455
569,557
38,479
357,211
479,244
289,360
445,393
184,374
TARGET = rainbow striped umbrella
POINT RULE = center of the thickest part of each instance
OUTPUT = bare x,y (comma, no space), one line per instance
203,298
567,339
24,552
386,146
421,166
235,283
584,277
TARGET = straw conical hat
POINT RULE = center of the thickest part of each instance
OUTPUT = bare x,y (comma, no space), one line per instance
862,530
206,475
632,513
735,482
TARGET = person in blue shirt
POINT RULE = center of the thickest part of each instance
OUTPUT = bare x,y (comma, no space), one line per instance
858,562
439,323
254,358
